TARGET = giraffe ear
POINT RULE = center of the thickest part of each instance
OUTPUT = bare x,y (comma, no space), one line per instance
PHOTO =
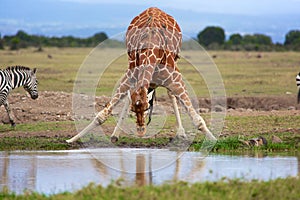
150,95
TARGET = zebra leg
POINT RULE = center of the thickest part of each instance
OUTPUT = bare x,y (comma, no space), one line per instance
180,130
7,108
106,112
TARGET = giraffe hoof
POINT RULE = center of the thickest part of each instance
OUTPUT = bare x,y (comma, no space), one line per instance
179,142
181,133
181,137
114,139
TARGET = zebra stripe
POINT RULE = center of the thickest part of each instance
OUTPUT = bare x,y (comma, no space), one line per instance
298,80
5,85
298,85
14,77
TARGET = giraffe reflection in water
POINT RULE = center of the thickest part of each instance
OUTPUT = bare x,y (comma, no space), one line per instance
143,169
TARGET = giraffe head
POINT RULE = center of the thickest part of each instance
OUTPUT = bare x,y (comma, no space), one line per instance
140,106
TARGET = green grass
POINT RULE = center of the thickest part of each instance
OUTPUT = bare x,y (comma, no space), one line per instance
233,144
242,72
243,75
225,189
236,128
23,136
266,124
34,143
56,74
38,126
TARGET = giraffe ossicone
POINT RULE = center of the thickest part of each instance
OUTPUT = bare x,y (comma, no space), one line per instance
153,41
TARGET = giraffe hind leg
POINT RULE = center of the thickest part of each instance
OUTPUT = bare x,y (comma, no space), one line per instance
7,108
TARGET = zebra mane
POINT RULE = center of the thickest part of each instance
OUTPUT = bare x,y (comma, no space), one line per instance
17,67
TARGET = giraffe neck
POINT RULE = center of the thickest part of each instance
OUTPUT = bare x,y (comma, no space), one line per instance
144,76
146,61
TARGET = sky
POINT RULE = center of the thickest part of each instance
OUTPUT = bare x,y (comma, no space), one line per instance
83,18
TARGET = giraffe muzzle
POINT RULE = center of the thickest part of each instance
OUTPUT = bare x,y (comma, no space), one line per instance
141,130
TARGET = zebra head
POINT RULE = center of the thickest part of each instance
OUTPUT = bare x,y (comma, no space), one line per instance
30,84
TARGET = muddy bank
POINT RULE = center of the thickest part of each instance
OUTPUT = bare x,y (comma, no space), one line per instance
57,106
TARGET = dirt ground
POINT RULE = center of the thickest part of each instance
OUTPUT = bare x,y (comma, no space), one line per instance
57,106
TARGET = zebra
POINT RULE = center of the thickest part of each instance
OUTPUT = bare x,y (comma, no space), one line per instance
298,85
14,77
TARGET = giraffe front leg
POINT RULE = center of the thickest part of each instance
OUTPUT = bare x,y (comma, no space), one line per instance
98,120
115,136
180,130
106,112
199,122
178,89
7,108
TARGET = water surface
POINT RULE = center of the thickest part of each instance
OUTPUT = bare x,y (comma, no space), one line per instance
52,172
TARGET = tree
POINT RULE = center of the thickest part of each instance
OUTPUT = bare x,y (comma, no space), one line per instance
99,37
258,39
292,38
235,39
15,43
22,35
210,35
257,42
1,42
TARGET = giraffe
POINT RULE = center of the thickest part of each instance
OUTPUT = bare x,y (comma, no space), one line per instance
153,41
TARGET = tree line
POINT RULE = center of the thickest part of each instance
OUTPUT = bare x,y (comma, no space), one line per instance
24,40
212,38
